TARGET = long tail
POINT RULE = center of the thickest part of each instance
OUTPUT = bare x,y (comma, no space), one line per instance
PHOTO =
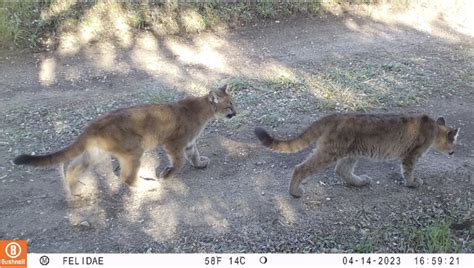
68,153
305,139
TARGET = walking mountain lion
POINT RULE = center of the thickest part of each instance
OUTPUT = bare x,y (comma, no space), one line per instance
344,138
127,133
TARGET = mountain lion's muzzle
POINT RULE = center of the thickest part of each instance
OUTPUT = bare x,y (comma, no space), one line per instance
232,114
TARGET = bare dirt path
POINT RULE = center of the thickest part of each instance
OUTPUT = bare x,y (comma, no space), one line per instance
284,75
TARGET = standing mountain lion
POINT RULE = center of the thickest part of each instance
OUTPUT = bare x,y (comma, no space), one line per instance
127,133
344,138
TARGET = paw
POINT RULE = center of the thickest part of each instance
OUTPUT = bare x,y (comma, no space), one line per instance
414,184
358,181
166,173
203,162
296,192
364,180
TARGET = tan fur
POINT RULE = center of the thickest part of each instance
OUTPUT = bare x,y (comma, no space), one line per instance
344,138
127,133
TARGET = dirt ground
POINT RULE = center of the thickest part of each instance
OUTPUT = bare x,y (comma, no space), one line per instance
240,203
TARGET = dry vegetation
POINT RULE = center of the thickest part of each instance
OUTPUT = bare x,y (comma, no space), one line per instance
37,23
42,23
137,53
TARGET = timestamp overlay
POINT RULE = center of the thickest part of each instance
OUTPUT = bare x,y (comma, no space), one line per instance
250,260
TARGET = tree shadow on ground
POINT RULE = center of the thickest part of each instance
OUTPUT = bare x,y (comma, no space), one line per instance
240,196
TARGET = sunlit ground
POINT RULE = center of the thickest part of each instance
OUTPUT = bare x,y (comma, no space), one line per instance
108,45
104,37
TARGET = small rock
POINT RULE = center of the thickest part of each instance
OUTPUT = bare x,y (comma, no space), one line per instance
85,224
149,250
328,198
333,250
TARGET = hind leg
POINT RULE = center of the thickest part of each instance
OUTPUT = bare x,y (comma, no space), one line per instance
176,157
345,170
314,164
129,166
77,167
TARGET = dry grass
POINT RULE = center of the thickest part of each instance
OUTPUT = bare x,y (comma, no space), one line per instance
34,23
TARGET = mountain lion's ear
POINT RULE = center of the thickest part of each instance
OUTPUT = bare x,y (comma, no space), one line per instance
223,88
441,121
213,98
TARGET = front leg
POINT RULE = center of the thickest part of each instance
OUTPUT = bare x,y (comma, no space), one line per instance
192,155
408,165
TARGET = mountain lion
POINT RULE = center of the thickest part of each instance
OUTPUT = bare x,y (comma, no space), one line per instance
344,138
127,133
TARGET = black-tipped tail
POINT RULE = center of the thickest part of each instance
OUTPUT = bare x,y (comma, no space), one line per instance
33,160
263,136
54,158
23,159
288,146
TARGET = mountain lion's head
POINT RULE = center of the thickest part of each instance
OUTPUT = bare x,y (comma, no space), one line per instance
222,102
446,137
